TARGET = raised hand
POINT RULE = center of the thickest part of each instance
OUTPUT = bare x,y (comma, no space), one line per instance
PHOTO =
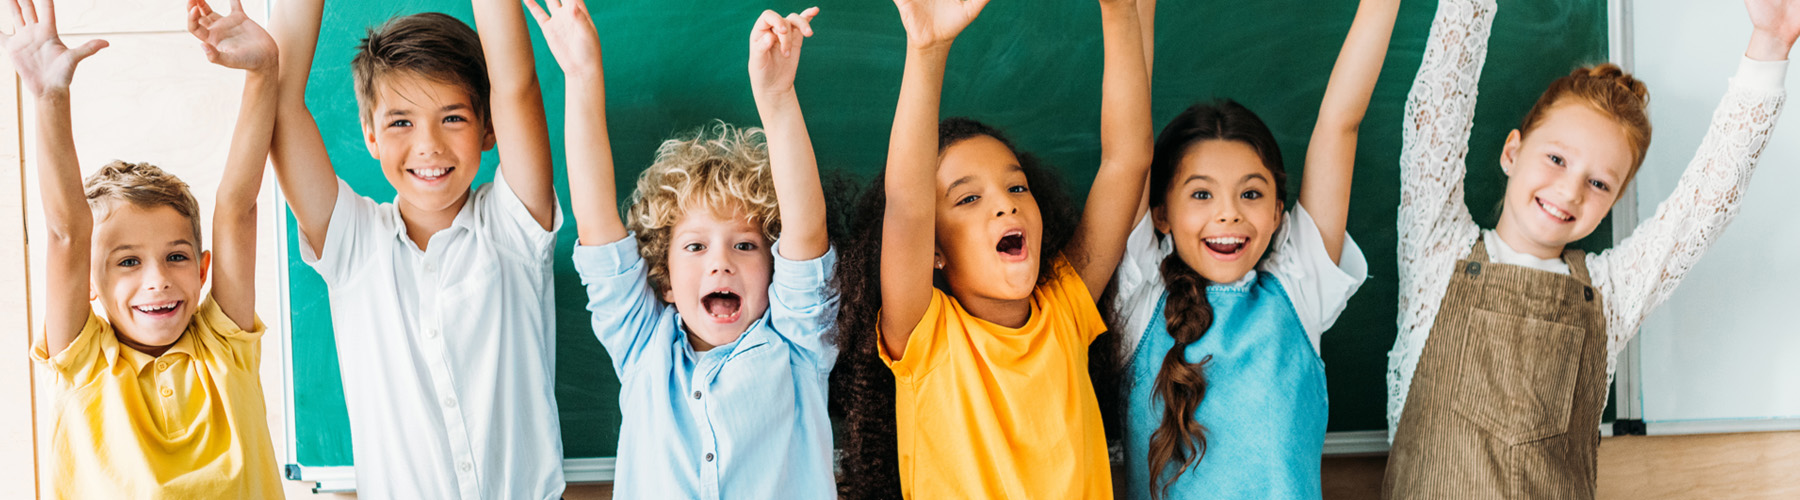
775,49
232,40
44,64
935,23
1777,24
570,33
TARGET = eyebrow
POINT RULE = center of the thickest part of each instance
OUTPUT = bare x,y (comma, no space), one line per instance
453,107
1199,177
122,248
970,178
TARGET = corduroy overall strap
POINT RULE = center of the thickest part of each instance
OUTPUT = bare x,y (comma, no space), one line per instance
1506,400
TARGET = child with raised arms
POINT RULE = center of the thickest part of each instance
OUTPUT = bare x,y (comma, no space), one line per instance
986,296
1508,337
1226,295
442,303
162,397
712,297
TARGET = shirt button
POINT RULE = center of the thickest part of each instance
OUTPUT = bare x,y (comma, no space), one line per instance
162,365
696,394
430,267
450,402
464,466
431,333
167,392
709,457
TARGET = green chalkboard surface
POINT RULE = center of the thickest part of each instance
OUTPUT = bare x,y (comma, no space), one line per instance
1030,67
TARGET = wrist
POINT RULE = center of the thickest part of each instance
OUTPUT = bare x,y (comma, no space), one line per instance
929,48
1768,46
53,95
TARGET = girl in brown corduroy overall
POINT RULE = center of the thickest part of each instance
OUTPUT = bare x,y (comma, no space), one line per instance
1507,338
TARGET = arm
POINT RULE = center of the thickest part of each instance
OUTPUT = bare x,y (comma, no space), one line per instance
302,165
1331,156
575,44
517,107
908,232
774,58
236,42
1642,271
1125,150
45,67
1147,20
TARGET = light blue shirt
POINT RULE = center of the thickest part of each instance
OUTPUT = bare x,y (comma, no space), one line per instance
742,420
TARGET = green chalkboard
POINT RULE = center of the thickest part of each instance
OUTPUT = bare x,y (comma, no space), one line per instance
1030,67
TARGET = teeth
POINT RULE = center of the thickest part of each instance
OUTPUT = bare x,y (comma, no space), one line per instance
1554,212
431,172
157,308
1226,240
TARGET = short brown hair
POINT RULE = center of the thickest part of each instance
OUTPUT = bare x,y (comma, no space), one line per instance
430,45
144,186
1606,88
717,168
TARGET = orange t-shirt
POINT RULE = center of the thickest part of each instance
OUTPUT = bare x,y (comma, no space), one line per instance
986,411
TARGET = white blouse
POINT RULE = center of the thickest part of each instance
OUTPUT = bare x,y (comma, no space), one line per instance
1436,230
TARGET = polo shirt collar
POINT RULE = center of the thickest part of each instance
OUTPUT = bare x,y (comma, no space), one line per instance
138,360
465,216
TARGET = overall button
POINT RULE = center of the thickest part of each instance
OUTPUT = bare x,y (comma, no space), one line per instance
1474,269
1588,292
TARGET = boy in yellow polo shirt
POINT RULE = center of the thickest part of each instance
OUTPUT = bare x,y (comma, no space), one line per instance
161,398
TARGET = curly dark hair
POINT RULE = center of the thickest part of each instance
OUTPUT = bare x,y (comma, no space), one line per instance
862,387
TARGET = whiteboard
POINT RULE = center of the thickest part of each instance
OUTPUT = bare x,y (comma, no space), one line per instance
1719,355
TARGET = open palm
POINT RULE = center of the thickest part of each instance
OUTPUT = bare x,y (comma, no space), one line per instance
44,64
232,41
1777,17
936,22
570,32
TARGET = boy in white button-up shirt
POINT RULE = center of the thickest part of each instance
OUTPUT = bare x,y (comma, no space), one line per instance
441,300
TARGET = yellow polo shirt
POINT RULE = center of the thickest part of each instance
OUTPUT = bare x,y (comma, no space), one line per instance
986,411
189,424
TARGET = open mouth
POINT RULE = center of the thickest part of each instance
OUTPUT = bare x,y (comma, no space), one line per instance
431,174
158,309
1553,212
1226,245
1012,244
722,306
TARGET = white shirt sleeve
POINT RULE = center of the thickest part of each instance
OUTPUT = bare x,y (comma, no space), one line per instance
354,220
1318,287
1642,271
1140,284
505,217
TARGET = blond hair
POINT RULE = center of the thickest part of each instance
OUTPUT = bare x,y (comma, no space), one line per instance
142,185
718,168
1606,88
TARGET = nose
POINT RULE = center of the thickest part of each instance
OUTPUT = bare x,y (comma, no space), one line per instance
719,262
155,277
430,143
1229,214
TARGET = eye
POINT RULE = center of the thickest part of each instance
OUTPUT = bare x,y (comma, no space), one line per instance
129,262
693,247
400,123
1201,195
967,200
178,257
744,246
1558,160
455,119
1018,189
1598,184
1252,195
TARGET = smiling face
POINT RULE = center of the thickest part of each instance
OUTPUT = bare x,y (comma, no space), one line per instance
429,138
1563,178
148,270
719,272
1221,209
989,230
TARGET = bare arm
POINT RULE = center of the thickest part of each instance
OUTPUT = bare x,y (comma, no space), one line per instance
233,41
518,107
774,58
1125,150
302,165
908,232
45,67
1331,156
569,30
1147,21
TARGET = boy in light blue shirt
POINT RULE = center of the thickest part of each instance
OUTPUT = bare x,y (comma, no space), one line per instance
717,331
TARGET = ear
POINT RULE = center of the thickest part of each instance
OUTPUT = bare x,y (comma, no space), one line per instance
1159,217
93,289
205,265
937,259
668,296
1509,153
488,141
369,140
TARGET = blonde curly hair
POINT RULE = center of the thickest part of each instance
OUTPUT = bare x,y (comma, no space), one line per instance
719,168
142,185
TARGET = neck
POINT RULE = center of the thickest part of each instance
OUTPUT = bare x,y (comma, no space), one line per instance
1510,235
1007,313
152,350
422,223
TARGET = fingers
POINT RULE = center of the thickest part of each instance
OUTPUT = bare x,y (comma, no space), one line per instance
193,21
554,4
49,17
237,6
973,7
537,12
763,35
77,54
18,16
803,21
31,16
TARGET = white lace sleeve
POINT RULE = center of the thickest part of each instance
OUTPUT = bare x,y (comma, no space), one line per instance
1642,271
1434,225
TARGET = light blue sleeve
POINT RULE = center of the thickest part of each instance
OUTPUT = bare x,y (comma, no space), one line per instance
803,306
627,317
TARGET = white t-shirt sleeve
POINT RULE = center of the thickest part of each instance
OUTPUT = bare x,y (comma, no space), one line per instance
1318,287
507,220
353,220
1139,282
